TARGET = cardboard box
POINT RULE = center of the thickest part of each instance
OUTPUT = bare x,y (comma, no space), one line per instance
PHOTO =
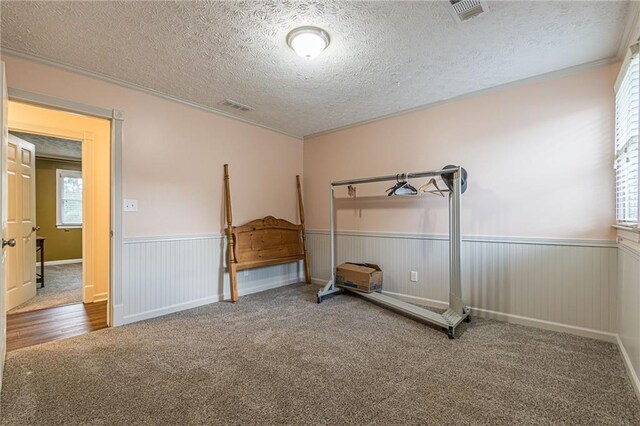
365,277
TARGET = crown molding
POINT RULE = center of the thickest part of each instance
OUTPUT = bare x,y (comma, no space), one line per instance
524,82
631,30
139,88
136,87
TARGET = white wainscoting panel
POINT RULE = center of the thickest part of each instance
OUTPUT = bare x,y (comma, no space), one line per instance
161,275
567,285
629,311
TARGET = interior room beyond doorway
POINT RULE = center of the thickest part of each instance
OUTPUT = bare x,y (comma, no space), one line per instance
66,248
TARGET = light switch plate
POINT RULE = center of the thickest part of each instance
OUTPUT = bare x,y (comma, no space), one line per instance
129,205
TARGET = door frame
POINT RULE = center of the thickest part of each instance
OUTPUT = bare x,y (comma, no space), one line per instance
116,118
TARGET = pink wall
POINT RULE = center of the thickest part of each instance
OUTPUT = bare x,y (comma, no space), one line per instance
539,158
173,156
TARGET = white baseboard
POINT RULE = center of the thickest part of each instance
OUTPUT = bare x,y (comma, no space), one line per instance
263,287
60,262
515,319
605,336
119,319
418,300
122,320
87,293
318,281
100,297
629,367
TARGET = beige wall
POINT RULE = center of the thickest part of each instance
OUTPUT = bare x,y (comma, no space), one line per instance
60,244
539,158
173,156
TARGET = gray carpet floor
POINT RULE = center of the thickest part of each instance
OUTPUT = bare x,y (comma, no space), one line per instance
277,357
63,285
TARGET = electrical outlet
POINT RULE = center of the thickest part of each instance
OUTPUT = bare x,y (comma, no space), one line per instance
129,205
414,276
246,273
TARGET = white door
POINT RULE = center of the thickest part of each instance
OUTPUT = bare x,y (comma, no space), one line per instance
21,261
28,218
4,133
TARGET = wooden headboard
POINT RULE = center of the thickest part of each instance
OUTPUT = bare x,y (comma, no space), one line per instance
263,242
266,242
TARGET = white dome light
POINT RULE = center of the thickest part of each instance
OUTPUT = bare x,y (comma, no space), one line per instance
308,42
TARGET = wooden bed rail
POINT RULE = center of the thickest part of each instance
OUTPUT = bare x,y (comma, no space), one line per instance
307,270
233,277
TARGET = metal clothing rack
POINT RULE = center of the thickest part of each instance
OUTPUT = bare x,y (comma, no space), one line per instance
457,311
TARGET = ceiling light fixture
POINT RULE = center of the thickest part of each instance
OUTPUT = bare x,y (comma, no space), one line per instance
308,42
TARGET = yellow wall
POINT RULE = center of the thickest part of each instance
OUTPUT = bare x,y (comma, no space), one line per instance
60,244
95,134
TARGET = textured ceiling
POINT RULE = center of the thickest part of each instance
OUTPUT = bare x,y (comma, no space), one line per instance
47,146
384,57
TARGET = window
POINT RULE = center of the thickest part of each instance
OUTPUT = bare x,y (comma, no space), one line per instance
69,199
626,140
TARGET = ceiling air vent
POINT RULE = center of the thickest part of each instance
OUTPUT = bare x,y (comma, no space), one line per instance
236,105
463,10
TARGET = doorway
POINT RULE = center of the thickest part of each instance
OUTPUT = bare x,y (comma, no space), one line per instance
58,186
56,180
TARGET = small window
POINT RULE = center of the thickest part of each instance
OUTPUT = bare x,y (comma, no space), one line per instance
69,199
626,140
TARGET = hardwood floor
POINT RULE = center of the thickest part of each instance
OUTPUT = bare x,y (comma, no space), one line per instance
46,325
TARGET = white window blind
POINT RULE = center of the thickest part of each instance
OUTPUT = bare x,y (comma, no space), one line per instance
626,141
69,200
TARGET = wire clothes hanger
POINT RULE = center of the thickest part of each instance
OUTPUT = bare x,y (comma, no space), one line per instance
402,187
351,190
425,188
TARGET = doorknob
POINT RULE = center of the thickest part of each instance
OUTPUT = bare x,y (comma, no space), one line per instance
10,243
33,229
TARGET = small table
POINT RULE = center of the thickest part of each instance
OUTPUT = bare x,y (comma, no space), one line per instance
40,248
